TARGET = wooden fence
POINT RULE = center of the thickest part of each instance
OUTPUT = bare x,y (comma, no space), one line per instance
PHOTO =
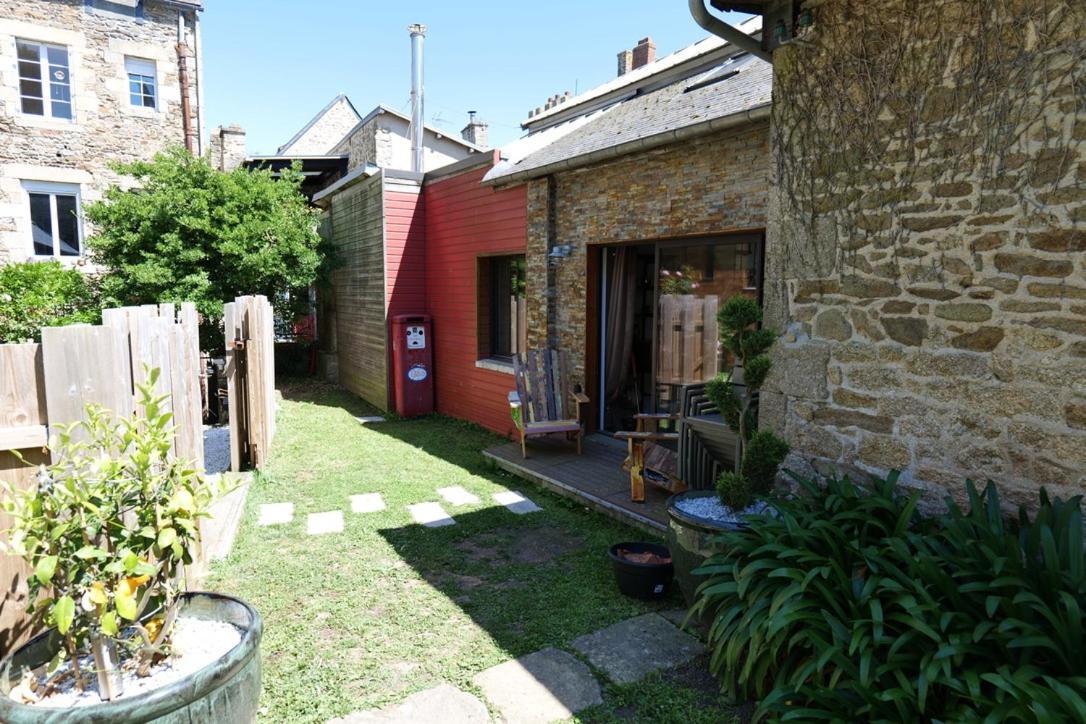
250,374
49,384
687,343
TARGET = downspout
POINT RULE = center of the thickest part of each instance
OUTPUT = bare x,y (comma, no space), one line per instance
418,33
732,34
183,79
197,51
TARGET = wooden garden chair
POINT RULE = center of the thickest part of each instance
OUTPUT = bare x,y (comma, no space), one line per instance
544,402
648,460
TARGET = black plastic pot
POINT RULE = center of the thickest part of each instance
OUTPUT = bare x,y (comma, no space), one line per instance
225,691
649,581
690,539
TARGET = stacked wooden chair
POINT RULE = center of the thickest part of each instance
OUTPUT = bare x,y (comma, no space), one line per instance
544,402
648,458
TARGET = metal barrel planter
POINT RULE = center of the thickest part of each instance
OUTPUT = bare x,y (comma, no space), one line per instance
227,690
690,540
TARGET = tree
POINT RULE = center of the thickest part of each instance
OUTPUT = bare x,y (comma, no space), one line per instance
188,232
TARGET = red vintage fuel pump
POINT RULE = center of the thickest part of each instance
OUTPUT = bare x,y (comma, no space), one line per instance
412,364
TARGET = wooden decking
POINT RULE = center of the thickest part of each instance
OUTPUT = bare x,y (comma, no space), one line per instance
594,478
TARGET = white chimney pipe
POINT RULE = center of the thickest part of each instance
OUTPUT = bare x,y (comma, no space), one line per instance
418,32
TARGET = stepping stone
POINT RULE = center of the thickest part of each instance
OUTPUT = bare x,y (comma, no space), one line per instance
456,495
516,502
542,687
321,523
632,649
369,419
444,703
276,513
367,503
431,515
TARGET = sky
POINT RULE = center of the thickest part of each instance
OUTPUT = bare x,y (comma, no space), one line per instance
271,65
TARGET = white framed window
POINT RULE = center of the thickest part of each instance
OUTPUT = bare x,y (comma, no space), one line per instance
55,219
142,82
45,83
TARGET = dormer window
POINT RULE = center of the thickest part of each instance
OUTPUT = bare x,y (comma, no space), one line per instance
45,87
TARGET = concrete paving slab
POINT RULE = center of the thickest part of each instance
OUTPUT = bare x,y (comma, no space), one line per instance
456,495
276,513
321,523
444,703
516,502
630,650
370,419
431,515
367,503
541,687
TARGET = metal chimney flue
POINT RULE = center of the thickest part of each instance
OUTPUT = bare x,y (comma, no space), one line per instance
418,34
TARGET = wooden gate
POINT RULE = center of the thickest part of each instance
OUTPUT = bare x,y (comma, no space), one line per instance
250,374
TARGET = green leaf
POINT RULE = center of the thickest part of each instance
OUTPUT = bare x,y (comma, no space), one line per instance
109,623
63,614
88,552
45,569
166,537
126,606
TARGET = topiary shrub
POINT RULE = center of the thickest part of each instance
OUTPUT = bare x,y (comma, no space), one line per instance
38,294
846,604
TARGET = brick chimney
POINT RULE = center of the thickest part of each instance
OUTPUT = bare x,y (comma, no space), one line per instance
643,53
625,62
476,131
228,147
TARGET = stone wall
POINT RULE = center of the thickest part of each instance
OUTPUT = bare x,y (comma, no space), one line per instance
106,127
227,147
708,185
328,130
932,296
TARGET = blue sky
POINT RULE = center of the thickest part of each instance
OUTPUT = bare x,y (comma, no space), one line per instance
270,65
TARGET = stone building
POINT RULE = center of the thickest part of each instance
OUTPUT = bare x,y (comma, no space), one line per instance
84,83
926,248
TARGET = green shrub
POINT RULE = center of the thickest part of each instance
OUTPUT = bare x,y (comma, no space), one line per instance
38,294
734,490
849,605
763,456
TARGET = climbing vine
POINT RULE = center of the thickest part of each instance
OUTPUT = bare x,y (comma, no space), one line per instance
899,117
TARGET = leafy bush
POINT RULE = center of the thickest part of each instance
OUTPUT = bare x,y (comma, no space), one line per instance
40,294
734,490
763,456
189,232
849,605
107,529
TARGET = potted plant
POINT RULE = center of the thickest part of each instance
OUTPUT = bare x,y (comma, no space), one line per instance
696,517
107,529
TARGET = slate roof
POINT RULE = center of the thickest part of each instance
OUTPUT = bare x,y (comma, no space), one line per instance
740,84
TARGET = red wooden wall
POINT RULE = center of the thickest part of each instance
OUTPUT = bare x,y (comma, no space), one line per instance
465,220
405,253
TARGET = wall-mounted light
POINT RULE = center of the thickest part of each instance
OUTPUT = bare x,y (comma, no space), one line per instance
560,251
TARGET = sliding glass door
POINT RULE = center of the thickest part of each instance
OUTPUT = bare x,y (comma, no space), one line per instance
658,325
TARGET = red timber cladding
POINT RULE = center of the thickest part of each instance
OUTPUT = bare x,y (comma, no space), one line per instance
405,253
466,220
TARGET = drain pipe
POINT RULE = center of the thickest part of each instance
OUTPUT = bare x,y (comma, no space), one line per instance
418,33
732,34
183,80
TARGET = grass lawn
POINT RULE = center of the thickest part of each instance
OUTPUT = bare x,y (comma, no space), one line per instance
363,618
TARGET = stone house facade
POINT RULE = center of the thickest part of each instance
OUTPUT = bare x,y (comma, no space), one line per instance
930,280
83,84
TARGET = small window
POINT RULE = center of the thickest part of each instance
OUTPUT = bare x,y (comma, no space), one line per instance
45,87
142,82
54,217
502,322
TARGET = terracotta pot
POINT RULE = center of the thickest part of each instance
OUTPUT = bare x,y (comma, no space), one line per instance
227,690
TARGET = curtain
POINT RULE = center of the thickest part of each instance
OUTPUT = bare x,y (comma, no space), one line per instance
621,296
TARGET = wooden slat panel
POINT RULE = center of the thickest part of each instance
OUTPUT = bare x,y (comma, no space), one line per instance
22,395
21,438
231,333
85,365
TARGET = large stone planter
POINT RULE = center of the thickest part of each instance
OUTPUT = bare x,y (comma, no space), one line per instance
689,538
225,691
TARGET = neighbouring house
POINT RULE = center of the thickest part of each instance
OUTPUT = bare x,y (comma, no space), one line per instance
926,242
84,83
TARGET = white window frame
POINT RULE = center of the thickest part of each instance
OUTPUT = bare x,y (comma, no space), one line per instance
144,68
53,190
45,80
